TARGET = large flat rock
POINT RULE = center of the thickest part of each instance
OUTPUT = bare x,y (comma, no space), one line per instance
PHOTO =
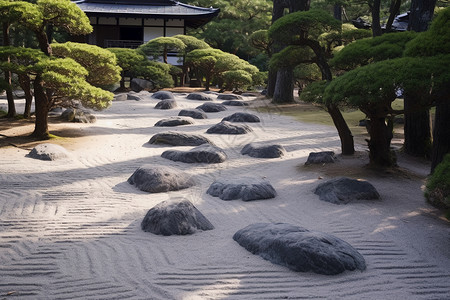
247,189
234,103
174,121
158,179
175,218
226,127
229,97
205,153
343,190
323,157
179,139
299,249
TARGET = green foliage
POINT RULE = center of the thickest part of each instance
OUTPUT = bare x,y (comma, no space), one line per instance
191,42
306,73
127,58
314,92
156,72
438,185
291,56
237,20
161,45
22,60
260,78
260,40
66,78
369,50
369,88
100,63
65,15
20,11
237,79
298,26
435,41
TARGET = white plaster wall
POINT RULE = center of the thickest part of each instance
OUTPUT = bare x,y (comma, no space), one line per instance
152,32
174,31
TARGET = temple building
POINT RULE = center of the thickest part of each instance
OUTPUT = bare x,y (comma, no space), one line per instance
130,23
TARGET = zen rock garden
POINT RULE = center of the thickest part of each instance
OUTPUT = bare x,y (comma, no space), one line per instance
292,246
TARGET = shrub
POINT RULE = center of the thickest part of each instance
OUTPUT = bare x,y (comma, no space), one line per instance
438,186
237,79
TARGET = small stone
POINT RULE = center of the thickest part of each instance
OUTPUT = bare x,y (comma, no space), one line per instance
158,179
205,153
193,113
343,190
47,151
212,107
199,97
120,97
247,189
175,218
225,127
242,117
174,121
163,95
166,104
229,97
263,151
132,96
323,157
235,103
179,139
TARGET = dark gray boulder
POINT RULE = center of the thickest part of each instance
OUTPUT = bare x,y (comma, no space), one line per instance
247,189
343,190
48,151
234,103
212,107
229,97
193,113
166,104
138,84
199,97
78,116
133,96
174,121
163,95
158,179
120,97
225,127
242,117
299,249
205,153
263,151
179,139
175,218
323,157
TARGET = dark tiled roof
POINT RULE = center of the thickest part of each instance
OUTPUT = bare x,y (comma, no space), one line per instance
148,8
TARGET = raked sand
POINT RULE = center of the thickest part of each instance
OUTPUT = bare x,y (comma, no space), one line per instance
70,229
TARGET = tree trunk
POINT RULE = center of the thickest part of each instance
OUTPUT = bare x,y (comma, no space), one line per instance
394,10
337,12
25,84
284,87
379,144
417,128
207,83
441,134
345,135
8,76
375,11
421,13
41,108
271,83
